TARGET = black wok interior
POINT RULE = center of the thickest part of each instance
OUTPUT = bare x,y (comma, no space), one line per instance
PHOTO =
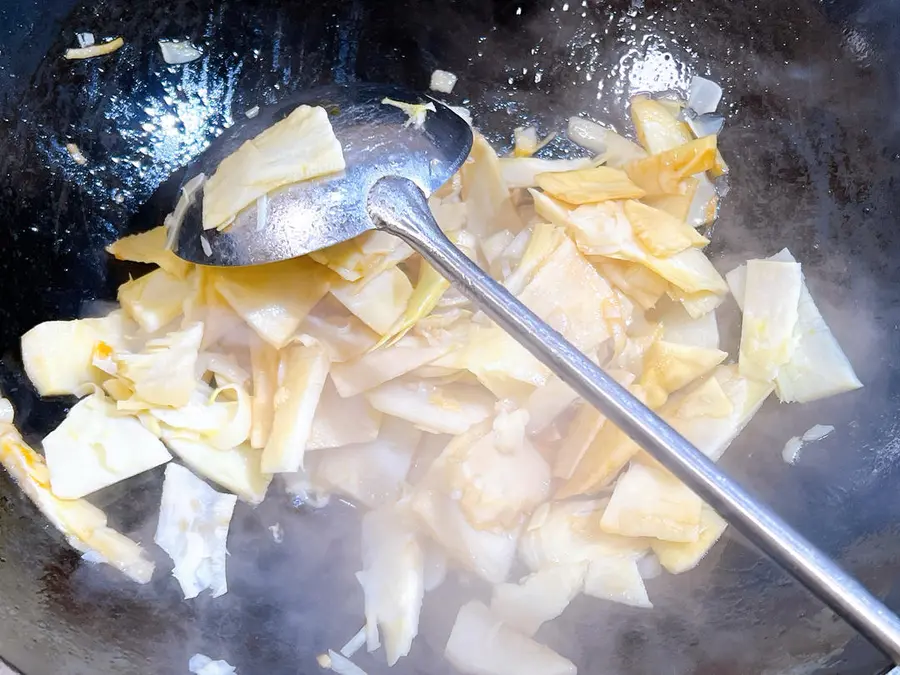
813,141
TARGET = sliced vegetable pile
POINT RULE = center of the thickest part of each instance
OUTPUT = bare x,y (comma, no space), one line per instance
357,371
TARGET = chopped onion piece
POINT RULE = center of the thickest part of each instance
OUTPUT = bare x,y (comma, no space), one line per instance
481,644
192,529
177,52
768,337
485,192
612,149
163,373
486,552
817,432
155,299
85,39
365,255
495,474
679,327
704,95
668,367
582,431
448,409
680,557
589,186
377,367
91,51
150,247
252,112
711,414
393,581
443,81
378,300
526,141
342,421
566,533
665,173
95,447
341,334
548,402
617,579
791,449
235,469
305,371
58,355
649,502
818,367
539,597
605,457
274,299
371,473
522,172
658,130
704,202
82,523
299,147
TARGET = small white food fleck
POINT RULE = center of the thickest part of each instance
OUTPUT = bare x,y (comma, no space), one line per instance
192,529
76,154
817,432
177,52
201,664
204,244
792,449
253,112
443,81
277,532
85,39
324,661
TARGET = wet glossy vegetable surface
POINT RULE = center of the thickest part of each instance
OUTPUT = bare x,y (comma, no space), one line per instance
812,137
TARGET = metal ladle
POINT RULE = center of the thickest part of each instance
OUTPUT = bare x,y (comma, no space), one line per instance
391,169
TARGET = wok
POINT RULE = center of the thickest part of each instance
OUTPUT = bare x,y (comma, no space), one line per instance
814,146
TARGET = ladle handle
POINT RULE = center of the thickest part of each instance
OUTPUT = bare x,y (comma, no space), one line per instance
399,207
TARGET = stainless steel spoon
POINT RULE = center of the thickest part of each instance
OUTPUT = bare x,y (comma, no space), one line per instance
391,168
